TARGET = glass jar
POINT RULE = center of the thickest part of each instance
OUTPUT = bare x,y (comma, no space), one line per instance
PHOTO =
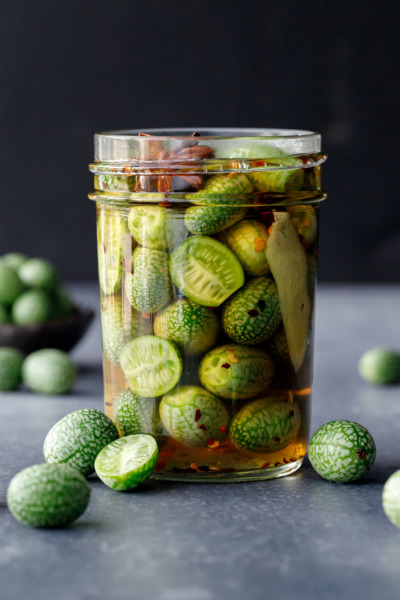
207,251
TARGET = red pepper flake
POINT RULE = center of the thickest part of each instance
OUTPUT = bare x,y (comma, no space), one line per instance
277,438
253,313
165,203
203,427
265,465
222,428
261,305
194,467
277,464
105,185
285,461
304,160
197,415
226,366
361,453
210,442
259,244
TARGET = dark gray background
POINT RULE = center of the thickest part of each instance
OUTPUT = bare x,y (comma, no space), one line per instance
70,68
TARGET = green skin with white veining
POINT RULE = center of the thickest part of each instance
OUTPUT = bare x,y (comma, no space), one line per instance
179,417
342,451
49,371
278,347
148,226
192,327
11,361
208,219
48,495
222,189
38,273
248,241
304,219
14,260
243,328
380,366
265,425
205,270
236,372
134,414
78,438
152,366
149,288
113,242
128,462
279,180
120,323
391,498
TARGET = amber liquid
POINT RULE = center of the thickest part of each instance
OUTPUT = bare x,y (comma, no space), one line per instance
221,460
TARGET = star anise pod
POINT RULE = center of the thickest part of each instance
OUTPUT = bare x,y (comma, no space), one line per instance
183,157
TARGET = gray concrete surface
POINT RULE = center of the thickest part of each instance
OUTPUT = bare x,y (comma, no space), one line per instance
292,538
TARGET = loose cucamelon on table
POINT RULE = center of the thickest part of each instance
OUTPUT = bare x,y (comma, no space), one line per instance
207,284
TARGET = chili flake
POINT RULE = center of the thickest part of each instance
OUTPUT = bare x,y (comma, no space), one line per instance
277,438
259,244
197,415
253,313
226,366
212,443
222,428
265,465
203,427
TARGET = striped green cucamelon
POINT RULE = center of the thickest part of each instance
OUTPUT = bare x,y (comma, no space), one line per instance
342,451
252,314
134,414
113,242
380,366
236,372
221,203
265,425
285,176
48,495
192,327
149,288
193,416
77,439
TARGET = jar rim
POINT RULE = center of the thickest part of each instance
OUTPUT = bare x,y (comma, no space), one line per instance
223,133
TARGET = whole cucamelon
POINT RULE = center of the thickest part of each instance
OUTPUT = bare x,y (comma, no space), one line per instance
265,425
134,414
253,313
236,372
193,416
149,288
77,439
248,241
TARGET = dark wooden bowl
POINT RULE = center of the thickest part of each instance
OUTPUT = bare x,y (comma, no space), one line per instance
62,333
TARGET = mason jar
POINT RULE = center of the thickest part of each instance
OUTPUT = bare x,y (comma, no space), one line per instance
207,253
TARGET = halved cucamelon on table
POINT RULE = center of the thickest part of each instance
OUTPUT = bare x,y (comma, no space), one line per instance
205,270
113,240
149,288
252,314
48,495
342,451
192,327
391,498
126,463
193,416
152,365
248,241
77,439
288,262
236,372
265,425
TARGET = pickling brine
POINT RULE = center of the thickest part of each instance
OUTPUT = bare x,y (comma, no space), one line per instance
207,252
